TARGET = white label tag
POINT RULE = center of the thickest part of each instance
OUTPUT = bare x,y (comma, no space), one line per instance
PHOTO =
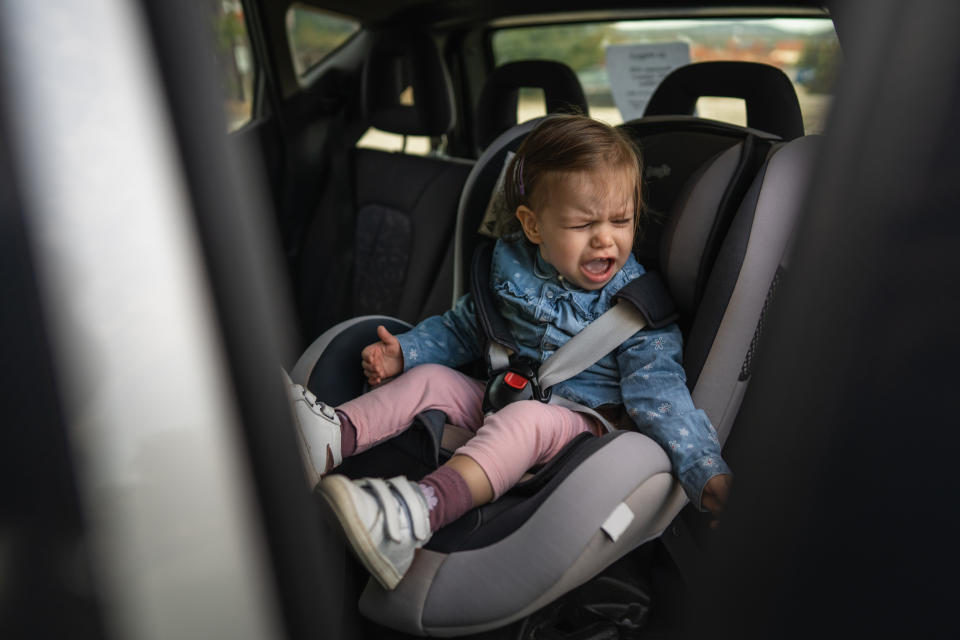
618,521
635,71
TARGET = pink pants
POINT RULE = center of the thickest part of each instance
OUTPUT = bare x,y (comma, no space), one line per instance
507,443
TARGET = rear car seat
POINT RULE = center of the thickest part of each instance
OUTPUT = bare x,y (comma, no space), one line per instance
405,205
602,497
496,109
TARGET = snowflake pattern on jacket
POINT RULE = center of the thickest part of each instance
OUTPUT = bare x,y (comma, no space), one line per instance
544,311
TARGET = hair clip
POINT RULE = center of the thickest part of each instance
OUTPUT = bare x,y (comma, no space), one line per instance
519,176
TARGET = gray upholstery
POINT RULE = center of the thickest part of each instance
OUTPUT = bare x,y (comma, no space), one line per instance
476,195
675,148
685,237
516,574
756,249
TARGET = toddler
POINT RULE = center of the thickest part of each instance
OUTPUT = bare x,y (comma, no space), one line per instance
574,186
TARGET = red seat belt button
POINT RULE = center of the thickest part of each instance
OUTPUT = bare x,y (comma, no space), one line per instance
515,380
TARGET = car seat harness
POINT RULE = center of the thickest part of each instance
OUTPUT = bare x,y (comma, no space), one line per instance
643,302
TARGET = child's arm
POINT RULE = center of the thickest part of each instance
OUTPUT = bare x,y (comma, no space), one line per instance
452,339
655,393
382,360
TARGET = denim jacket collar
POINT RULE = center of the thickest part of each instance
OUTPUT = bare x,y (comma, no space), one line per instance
546,271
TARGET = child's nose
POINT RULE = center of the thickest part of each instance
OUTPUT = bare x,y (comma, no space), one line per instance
602,236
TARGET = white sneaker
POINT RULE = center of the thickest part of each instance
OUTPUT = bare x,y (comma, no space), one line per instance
384,520
318,432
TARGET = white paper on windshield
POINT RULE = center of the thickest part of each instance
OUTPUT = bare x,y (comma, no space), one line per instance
635,70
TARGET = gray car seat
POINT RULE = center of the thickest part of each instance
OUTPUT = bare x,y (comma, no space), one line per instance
674,143
602,497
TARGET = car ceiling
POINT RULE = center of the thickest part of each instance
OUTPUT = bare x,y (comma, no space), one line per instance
462,12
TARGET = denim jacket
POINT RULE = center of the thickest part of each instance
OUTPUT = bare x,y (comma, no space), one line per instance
544,311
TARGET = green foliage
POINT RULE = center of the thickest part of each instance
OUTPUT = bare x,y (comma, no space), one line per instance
228,29
313,35
818,65
580,46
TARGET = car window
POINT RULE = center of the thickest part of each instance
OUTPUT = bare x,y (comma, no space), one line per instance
236,62
313,34
385,141
620,63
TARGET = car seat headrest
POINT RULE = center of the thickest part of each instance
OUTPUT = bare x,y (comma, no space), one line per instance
771,101
475,199
399,61
687,233
497,106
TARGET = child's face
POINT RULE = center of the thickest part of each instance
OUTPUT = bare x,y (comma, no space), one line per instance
584,223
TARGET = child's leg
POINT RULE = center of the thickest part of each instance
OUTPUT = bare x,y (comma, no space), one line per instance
385,521
327,436
390,408
511,441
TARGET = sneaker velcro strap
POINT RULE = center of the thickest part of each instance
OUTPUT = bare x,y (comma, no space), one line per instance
388,506
416,507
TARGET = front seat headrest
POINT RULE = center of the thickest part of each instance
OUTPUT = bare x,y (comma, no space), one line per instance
399,60
497,107
771,101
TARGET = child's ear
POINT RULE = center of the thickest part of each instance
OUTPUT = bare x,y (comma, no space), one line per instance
528,220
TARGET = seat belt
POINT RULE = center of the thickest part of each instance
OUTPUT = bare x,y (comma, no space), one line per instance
597,339
642,302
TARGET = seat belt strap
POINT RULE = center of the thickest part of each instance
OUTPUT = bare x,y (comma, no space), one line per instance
498,356
597,339
648,303
560,401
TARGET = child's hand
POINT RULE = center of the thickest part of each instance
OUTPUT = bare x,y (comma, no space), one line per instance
714,496
382,360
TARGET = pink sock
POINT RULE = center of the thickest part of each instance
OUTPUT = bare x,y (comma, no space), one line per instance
448,496
348,436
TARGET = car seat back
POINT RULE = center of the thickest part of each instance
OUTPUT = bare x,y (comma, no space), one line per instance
496,109
404,205
674,143
604,496
770,100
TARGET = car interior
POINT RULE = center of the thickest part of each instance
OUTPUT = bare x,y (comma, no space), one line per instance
727,184
359,177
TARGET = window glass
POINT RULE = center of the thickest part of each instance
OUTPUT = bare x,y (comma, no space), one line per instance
386,141
531,103
620,63
235,60
733,110
313,34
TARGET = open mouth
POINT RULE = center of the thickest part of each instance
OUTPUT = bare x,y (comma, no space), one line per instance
598,270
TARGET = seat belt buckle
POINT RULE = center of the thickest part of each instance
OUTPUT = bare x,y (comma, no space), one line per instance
516,382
